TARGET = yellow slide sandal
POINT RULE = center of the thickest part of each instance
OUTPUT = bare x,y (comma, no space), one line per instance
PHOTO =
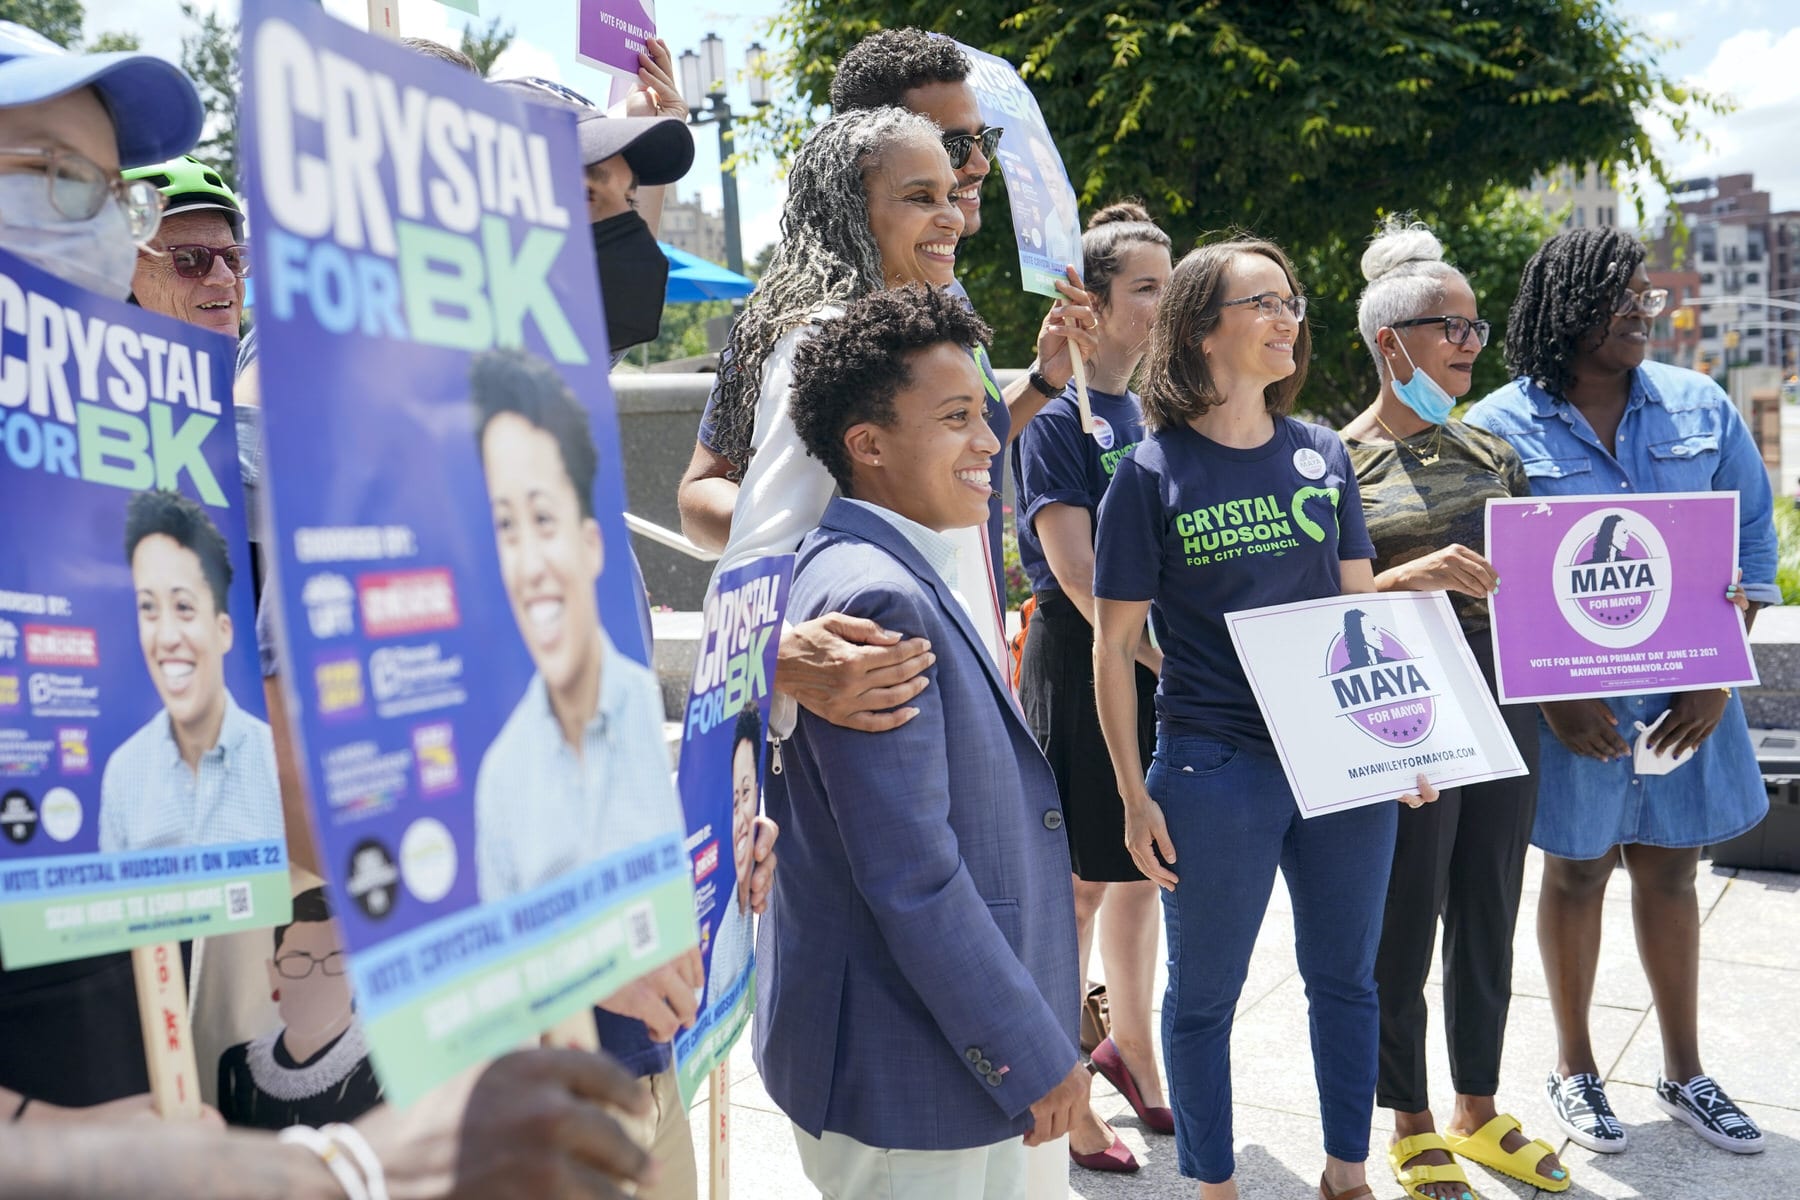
1411,1179
1484,1146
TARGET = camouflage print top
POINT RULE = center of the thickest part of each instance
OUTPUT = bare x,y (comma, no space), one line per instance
1413,509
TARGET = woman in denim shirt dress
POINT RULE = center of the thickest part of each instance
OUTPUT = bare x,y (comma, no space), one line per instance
1589,416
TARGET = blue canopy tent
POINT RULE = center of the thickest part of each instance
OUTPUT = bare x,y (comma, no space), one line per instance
692,279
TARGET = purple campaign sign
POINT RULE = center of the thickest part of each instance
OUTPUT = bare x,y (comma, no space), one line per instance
1616,596
611,34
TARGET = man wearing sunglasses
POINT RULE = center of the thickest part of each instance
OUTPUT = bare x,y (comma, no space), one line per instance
194,267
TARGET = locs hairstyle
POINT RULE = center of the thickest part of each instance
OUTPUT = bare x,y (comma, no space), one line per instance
1110,232
851,372
827,255
513,381
176,517
1178,385
1568,290
887,64
309,907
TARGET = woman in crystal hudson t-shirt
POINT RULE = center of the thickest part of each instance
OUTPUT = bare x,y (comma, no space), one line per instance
1226,360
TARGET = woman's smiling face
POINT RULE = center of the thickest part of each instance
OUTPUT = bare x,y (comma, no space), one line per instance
915,222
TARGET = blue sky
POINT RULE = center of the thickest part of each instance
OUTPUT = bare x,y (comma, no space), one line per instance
1748,48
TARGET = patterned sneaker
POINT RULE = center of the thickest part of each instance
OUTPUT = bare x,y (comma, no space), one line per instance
1579,1105
1704,1105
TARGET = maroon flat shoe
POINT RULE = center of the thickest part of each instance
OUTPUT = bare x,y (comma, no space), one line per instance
1117,1157
1111,1065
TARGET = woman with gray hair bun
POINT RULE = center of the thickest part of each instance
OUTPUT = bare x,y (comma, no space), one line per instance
1426,480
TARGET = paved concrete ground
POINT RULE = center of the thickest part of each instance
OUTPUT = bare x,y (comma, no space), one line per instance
1750,981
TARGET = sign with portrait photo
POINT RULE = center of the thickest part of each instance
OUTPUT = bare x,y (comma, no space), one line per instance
1046,218
723,732
1616,596
461,633
138,796
610,34
1364,693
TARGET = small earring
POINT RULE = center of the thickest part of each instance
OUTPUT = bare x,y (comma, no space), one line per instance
275,995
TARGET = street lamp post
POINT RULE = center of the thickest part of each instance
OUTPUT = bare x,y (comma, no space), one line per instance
703,78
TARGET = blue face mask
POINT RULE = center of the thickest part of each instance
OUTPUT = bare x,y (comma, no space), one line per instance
1422,394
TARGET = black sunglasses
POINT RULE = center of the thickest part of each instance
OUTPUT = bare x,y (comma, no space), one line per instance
193,261
959,145
1456,329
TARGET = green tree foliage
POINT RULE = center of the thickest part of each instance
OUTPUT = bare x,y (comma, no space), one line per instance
485,47
1302,121
61,21
209,55
58,20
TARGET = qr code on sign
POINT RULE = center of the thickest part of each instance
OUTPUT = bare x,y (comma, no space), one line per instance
237,902
640,928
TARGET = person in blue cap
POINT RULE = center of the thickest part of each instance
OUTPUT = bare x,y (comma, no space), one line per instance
68,123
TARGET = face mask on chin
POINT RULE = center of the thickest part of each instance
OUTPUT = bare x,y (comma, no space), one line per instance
634,276
1423,394
97,254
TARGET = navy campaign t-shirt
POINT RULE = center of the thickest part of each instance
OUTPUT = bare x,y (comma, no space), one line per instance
1055,463
1200,530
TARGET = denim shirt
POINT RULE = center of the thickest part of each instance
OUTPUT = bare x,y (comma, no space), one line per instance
1680,433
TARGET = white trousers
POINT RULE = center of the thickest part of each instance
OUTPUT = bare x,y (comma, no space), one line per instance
843,1168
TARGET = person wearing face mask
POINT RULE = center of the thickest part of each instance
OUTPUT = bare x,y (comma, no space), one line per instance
627,161
1590,416
1426,480
315,1068
67,124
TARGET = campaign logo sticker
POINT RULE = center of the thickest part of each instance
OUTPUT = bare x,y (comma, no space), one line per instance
72,743
18,817
1612,577
402,602
1103,432
9,692
706,860
61,814
1310,463
415,679
9,639
434,750
1378,684
371,879
338,679
61,646
330,605
57,695
428,859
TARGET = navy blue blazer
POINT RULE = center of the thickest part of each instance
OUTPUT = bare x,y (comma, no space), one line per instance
916,972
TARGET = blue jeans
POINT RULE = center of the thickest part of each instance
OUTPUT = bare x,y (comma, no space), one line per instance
1233,822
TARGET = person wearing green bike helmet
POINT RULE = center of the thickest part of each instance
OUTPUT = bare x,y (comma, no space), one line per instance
194,268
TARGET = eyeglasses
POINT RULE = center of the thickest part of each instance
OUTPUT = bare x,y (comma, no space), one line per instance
1456,329
1269,304
959,145
1650,302
298,964
194,261
78,188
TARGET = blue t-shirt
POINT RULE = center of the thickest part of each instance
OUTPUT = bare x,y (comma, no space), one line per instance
1055,463
1200,530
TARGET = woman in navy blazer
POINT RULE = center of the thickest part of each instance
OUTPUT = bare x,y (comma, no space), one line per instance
916,972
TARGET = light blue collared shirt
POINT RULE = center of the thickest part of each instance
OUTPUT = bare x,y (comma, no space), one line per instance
937,549
149,797
1680,433
733,938
542,809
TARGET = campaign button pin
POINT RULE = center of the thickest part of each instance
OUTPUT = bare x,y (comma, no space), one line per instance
1310,463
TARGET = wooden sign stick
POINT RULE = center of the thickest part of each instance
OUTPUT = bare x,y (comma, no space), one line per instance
168,1039
1081,396
718,1100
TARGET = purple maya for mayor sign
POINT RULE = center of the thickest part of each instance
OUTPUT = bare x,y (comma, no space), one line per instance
611,34
1616,596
